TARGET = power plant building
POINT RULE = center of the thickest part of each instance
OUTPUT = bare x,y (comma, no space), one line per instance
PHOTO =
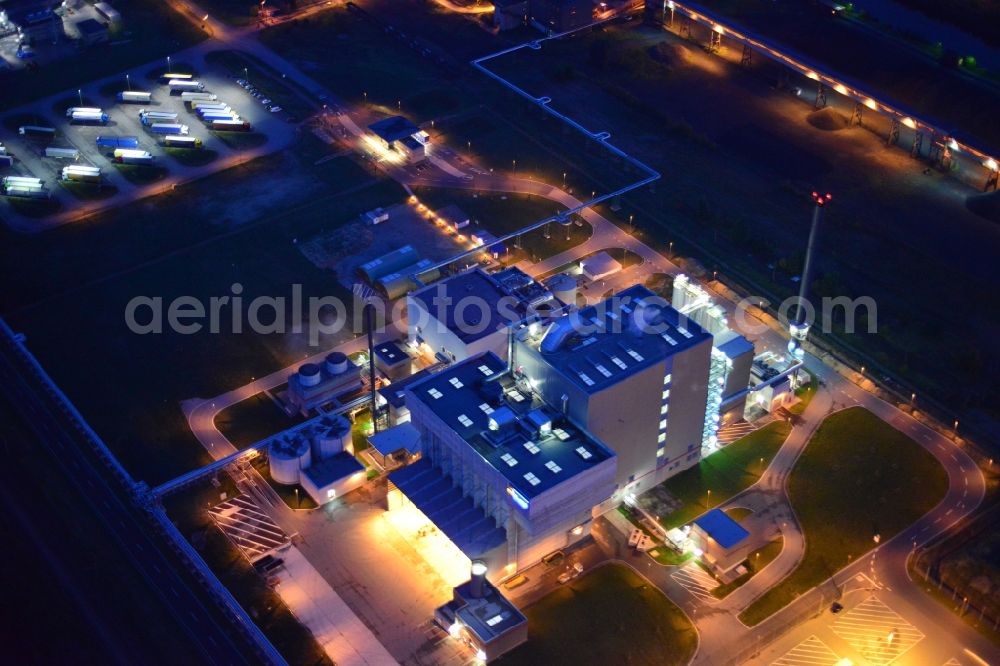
470,313
507,478
634,373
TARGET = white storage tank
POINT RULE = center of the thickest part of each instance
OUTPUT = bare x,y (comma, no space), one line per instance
337,363
309,374
333,437
287,458
563,287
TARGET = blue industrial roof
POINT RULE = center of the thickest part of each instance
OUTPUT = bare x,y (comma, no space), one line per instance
393,128
333,469
726,531
603,344
468,395
402,436
390,353
438,498
489,616
736,347
393,393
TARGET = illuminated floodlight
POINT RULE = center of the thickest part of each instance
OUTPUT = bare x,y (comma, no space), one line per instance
719,29
841,88
481,656
953,144
991,164
578,530
812,75
478,568
698,552
909,122
455,629
871,104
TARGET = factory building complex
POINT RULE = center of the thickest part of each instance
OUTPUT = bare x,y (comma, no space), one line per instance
541,415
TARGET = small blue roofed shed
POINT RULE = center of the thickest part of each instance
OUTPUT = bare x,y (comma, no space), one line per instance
721,528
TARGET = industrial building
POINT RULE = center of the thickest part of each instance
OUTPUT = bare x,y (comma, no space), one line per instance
505,476
634,373
453,217
399,272
399,134
479,614
470,313
720,542
392,361
319,456
314,385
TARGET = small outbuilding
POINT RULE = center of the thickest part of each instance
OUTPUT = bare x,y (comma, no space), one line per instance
723,542
599,266
333,477
397,446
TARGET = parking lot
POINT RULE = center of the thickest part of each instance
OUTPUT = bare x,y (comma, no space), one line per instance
170,166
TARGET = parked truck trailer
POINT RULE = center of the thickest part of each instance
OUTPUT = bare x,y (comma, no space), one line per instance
118,142
131,156
89,118
230,125
82,174
135,97
62,153
82,109
149,117
198,97
178,141
178,86
218,106
38,130
168,128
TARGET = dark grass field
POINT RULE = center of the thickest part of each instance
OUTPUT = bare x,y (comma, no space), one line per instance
857,477
607,616
130,386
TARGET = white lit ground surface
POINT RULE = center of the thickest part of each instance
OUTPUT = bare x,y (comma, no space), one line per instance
859,634
696,581
380,575
876,631
430,543
345,639
810,652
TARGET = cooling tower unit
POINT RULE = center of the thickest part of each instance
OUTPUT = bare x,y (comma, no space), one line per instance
337,363
309,374
288,457
334,437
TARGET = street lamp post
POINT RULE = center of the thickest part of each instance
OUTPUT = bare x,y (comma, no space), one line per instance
366,97
564,180
168,63
246,75
79,92
513,164
128,82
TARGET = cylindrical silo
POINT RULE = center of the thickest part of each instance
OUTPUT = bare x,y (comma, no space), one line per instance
287,457
309,374
333,437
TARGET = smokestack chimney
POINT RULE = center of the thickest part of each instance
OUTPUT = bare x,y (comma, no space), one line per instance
477,584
